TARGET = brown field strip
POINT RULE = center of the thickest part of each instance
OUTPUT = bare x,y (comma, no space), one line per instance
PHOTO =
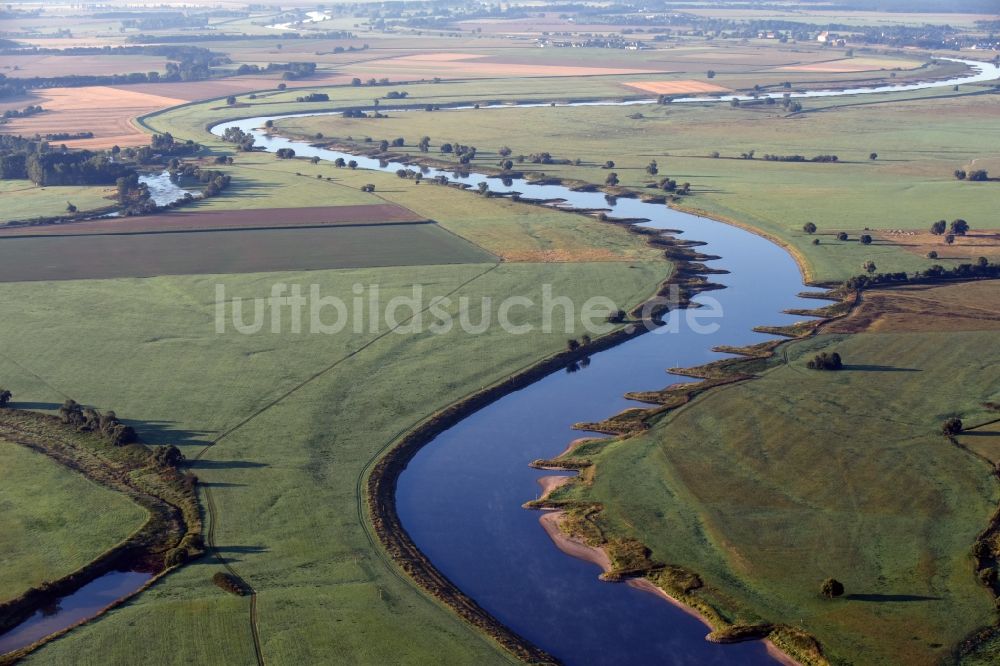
676,87
108,256
85,65
223,220
976,243
415,66
963,306
103,110
851,65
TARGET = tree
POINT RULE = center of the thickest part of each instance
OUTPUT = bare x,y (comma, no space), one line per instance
870,267
653,168
353,164
612,179
873,156
959,227
383,146
842,236
368,188
70,208
168,456
809,228
865,239
504,151
831,588
939,227
949,239
824,361
609,165
5,397
71,412
355,82
951,427
959,174
424,144
282,86
340,163
982,262
447,148
231,100
710,73
932,254
572,344
314,159
979,175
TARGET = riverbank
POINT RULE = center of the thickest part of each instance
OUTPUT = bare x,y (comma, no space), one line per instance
169,537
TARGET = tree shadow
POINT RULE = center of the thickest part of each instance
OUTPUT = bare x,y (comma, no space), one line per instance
241,549
867,367
884,598
163,432
225,464
221,484
36,405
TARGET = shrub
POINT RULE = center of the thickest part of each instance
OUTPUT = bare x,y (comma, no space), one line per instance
951,427
229,583
824,361
809,228
831,588
175,557
572,344
932,254
5,397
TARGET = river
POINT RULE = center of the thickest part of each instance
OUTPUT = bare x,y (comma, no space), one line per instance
460,498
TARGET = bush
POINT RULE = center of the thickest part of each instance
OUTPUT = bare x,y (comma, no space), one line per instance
842,236
5,397
175,557
831,588
229,583
932,254
951,427
824,361
809,228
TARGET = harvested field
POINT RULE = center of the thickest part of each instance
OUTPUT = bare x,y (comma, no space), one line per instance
222,220
676,87
224,252
967,306
416,67
187,91
103,110
975,244
442,57
26,66
853,65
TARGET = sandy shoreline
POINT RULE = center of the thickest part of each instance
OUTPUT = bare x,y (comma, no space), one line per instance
550,483
549,521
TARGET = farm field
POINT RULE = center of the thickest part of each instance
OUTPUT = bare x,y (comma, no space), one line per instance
92,256
284,484
222,220
57,523
916,158
23,200
106,112
731,487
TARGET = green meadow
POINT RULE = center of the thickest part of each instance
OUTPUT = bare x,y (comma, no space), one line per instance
768,487
53,520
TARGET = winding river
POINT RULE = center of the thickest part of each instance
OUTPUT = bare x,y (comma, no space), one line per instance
479,468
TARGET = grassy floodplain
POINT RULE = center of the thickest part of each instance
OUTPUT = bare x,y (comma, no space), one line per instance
22,200
285,484
767,487
55,524
916,157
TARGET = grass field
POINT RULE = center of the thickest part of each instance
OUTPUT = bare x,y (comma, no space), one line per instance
285,484
53,520
23,200
916,157
768,487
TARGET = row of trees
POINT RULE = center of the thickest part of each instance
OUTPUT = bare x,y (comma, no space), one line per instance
825,361
88,419
978,175
958,227
981,269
